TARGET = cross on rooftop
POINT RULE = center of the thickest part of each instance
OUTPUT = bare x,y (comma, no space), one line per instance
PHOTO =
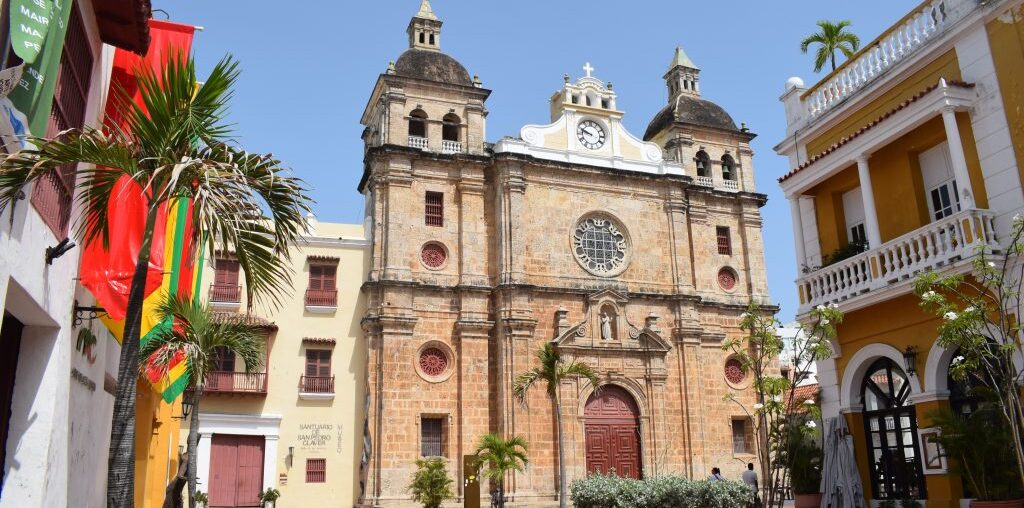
588,69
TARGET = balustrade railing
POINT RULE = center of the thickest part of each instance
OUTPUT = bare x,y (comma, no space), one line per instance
705,181
732,185
225,294
418,142
938,244
321,297
235,382
316,384
892,47
450,146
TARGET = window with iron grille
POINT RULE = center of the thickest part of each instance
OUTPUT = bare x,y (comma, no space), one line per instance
724,241
52,194
322,277
316,470
739,436
431,435
434,213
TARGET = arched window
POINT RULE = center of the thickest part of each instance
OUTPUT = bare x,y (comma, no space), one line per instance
890,426
431,39
728,167
418,123
703,163
450,127
422,37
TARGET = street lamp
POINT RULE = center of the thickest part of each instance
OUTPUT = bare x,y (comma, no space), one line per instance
910,360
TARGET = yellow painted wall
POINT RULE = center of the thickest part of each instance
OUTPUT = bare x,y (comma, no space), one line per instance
287,363
156,445
900,200
945,66
1006,39
898,322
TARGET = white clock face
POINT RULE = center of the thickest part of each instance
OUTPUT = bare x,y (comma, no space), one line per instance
590,134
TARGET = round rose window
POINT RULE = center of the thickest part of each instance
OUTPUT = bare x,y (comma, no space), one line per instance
433,362
734,371
727,279
600,246
433,256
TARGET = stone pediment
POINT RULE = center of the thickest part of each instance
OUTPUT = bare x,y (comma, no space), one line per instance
605,326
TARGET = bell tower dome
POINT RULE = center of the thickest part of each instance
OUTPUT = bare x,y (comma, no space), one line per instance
425,29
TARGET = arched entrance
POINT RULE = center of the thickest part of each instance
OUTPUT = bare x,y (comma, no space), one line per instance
891,430
612,428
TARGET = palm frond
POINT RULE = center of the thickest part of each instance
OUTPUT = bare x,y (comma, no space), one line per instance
524,382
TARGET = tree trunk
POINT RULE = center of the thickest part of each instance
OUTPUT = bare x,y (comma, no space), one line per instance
121,462
833,56
172,494
193,443
562,488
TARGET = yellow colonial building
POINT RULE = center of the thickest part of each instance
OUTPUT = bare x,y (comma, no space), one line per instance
906,158
297,425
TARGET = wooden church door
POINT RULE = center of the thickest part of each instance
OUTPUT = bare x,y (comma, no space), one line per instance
612,433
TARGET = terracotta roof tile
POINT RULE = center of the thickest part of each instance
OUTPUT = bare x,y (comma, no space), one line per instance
244,318
320,340
801,394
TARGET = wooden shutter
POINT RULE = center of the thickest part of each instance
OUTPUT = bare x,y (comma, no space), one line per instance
739,436
322,277
318,362
226,273
431,430
724,240
316,470
52,193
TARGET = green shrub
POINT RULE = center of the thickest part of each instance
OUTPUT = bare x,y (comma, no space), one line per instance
431,485
608,491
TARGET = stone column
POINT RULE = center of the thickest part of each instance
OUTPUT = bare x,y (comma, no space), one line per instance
511,191
679,243
956,155
798,229
867,194
398,205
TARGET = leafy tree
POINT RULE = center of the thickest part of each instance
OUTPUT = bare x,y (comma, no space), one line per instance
980,319
772,415
431,484
831,38
982,447
175,144
500,456
197,338
552,371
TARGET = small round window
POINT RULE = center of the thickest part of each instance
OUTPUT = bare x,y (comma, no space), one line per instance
727,279
434,256
600,245
734,371
433,362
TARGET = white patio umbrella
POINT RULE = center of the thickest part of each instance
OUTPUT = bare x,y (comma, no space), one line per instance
840,480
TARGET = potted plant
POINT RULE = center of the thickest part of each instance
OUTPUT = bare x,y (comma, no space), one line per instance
431,485
803,459
201,499
982,450
269,496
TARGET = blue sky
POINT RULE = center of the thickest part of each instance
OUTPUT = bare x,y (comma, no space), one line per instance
309,67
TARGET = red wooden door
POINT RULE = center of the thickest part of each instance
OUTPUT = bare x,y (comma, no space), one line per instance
613,433
236,470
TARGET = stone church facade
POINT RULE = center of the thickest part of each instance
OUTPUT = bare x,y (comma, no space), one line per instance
635,256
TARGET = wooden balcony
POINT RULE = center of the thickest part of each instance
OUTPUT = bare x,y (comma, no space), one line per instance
321,299
236,382
316,387
225,294
949,242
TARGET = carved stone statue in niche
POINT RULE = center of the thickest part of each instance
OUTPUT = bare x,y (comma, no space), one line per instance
609,326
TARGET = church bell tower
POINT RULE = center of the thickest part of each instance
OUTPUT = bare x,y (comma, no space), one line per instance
683,76
425,29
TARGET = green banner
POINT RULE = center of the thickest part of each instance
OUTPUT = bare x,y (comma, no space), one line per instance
37,31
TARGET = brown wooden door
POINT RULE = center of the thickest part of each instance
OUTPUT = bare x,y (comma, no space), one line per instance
236,470
612,432
10,345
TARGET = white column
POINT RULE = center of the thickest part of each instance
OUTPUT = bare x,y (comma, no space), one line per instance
203,459
798,230
956,154
269,462
868,196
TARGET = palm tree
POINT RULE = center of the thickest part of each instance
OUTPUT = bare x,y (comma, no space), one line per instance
198,338
553,371
831,38
176,144
500,456
431,485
